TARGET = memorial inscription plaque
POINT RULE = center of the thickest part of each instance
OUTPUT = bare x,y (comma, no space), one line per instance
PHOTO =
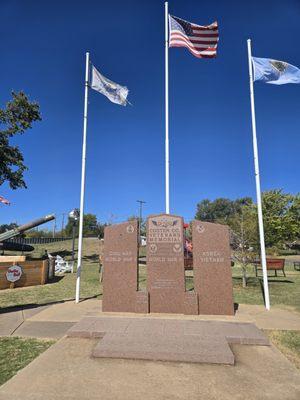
212,268
165,264
120,275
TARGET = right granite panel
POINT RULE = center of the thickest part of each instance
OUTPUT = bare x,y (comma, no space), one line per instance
212,268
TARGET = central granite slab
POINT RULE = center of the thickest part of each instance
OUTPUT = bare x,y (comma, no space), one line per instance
166,339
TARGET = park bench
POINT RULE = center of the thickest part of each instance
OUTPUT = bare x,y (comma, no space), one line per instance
297,265
273,264
188,263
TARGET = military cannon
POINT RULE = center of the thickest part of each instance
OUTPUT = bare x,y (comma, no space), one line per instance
15,246
5,245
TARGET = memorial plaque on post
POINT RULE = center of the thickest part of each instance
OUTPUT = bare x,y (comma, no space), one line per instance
165,264
120,275
212,268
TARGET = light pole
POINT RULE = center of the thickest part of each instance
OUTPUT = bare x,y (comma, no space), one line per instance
74,216
141,202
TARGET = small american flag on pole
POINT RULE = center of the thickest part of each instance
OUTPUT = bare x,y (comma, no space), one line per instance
4,201
201,41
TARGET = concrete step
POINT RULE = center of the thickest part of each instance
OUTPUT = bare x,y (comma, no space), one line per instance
186,348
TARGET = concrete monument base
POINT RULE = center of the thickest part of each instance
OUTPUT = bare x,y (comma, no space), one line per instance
151,338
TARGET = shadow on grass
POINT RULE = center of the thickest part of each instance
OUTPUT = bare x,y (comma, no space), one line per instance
55,279
261,282
62,253
92,258
251,281
67,253
31,306
255,281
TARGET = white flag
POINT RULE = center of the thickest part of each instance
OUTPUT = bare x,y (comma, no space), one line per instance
114,92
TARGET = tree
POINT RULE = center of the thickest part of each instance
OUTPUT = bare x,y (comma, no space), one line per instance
143,224
38,233
221,209
244,237
7,227
101,228
294,214
16,118
91,226
281,213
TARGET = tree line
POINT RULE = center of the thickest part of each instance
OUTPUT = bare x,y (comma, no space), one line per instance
281,215
91,227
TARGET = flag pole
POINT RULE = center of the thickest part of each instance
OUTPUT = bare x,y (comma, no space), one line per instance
79,261
167,160
257,180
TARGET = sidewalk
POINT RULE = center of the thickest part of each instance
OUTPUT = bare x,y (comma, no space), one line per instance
50,321
53,321
67,371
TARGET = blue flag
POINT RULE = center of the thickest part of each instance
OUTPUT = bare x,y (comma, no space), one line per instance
274,71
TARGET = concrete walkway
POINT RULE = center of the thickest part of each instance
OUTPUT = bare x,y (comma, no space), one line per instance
53,321
67,372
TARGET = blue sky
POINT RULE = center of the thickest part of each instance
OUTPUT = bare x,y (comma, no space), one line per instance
43,53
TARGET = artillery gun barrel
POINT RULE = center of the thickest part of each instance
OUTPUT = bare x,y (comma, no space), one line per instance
35,223
22,228
15,246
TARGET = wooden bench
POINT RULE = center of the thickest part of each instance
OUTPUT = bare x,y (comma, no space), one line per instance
273,264
188,263
297,265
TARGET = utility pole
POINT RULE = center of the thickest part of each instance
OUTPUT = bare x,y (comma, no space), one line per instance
54,228
141,202
63,224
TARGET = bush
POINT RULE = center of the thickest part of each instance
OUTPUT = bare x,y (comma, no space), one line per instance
288,252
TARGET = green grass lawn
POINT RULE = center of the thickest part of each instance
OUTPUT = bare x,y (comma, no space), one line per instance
63,287
16,353
91,249
283,291
288,342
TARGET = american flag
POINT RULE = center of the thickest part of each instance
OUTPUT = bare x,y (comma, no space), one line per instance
4,201
201,41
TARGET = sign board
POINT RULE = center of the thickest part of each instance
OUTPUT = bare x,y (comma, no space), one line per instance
13,273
